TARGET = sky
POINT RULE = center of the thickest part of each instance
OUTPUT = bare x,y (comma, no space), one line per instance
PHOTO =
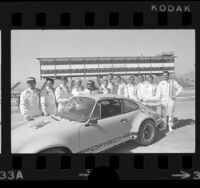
27,45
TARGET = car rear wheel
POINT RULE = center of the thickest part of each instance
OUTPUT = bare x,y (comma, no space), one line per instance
146,133
56,150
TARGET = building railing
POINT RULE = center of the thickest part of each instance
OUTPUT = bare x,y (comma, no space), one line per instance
97,70
159,60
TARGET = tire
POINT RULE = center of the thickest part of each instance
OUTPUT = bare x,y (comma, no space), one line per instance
56,150
147,133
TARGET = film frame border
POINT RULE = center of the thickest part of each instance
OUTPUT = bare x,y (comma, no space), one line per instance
89,15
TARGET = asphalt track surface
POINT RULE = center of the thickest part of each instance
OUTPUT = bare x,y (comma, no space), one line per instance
181,140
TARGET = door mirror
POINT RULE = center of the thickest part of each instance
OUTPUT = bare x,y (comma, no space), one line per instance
92,121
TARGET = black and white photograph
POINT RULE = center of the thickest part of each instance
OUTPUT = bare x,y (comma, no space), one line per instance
103,91
0,95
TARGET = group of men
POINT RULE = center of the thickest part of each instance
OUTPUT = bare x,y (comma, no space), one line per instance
50,101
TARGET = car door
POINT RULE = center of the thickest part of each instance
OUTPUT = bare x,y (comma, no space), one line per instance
130,111
109,130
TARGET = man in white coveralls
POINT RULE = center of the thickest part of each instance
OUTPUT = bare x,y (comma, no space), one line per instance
150,93
48,99
30,100
132,89
78,88
170,89
62,94
140,87
121,87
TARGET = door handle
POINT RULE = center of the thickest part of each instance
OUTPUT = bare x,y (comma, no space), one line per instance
123,121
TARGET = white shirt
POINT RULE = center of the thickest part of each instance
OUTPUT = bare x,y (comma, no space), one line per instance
30,103
48,101
62,94
132,91
150,92
140,88
122,90
170,89
77,91
105,90
111,87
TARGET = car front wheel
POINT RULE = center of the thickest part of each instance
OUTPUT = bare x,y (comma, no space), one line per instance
147,133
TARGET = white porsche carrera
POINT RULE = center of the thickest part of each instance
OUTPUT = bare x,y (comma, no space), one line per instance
89,124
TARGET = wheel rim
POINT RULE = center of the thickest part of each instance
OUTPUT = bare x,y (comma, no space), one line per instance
148,132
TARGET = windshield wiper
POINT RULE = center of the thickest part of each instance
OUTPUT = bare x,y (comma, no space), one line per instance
70,119
81,120
54,118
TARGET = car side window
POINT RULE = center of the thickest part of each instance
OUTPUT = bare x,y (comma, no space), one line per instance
129,106
96,113
110,108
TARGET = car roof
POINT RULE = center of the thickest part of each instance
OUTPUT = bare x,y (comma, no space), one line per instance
102,96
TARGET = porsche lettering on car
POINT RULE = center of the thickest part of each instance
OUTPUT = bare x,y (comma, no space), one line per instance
88,124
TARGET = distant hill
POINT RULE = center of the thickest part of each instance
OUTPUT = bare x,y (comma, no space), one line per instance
188,76
186,80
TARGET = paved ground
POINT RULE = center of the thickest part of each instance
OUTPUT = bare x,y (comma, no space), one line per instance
182,140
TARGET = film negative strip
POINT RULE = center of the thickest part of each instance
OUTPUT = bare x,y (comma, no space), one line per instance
124,105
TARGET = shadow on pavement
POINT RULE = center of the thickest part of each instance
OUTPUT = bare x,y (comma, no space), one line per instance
131,144
182,123
178,124
160,135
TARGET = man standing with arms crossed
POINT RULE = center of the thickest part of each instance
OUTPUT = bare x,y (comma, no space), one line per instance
30,100
170,89
62,94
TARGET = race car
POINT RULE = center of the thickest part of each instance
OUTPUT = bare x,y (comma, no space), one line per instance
88,124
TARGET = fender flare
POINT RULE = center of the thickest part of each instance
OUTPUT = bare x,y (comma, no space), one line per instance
135,129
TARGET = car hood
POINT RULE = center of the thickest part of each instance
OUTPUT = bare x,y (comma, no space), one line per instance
51,127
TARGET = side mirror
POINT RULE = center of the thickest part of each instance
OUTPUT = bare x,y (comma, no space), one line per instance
92,121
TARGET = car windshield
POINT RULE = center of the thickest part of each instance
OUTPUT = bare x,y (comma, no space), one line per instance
78,109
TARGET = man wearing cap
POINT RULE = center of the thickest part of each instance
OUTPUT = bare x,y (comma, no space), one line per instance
62,94
48,99
30,100
121,87
170,89
78,88
132,88
91,88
